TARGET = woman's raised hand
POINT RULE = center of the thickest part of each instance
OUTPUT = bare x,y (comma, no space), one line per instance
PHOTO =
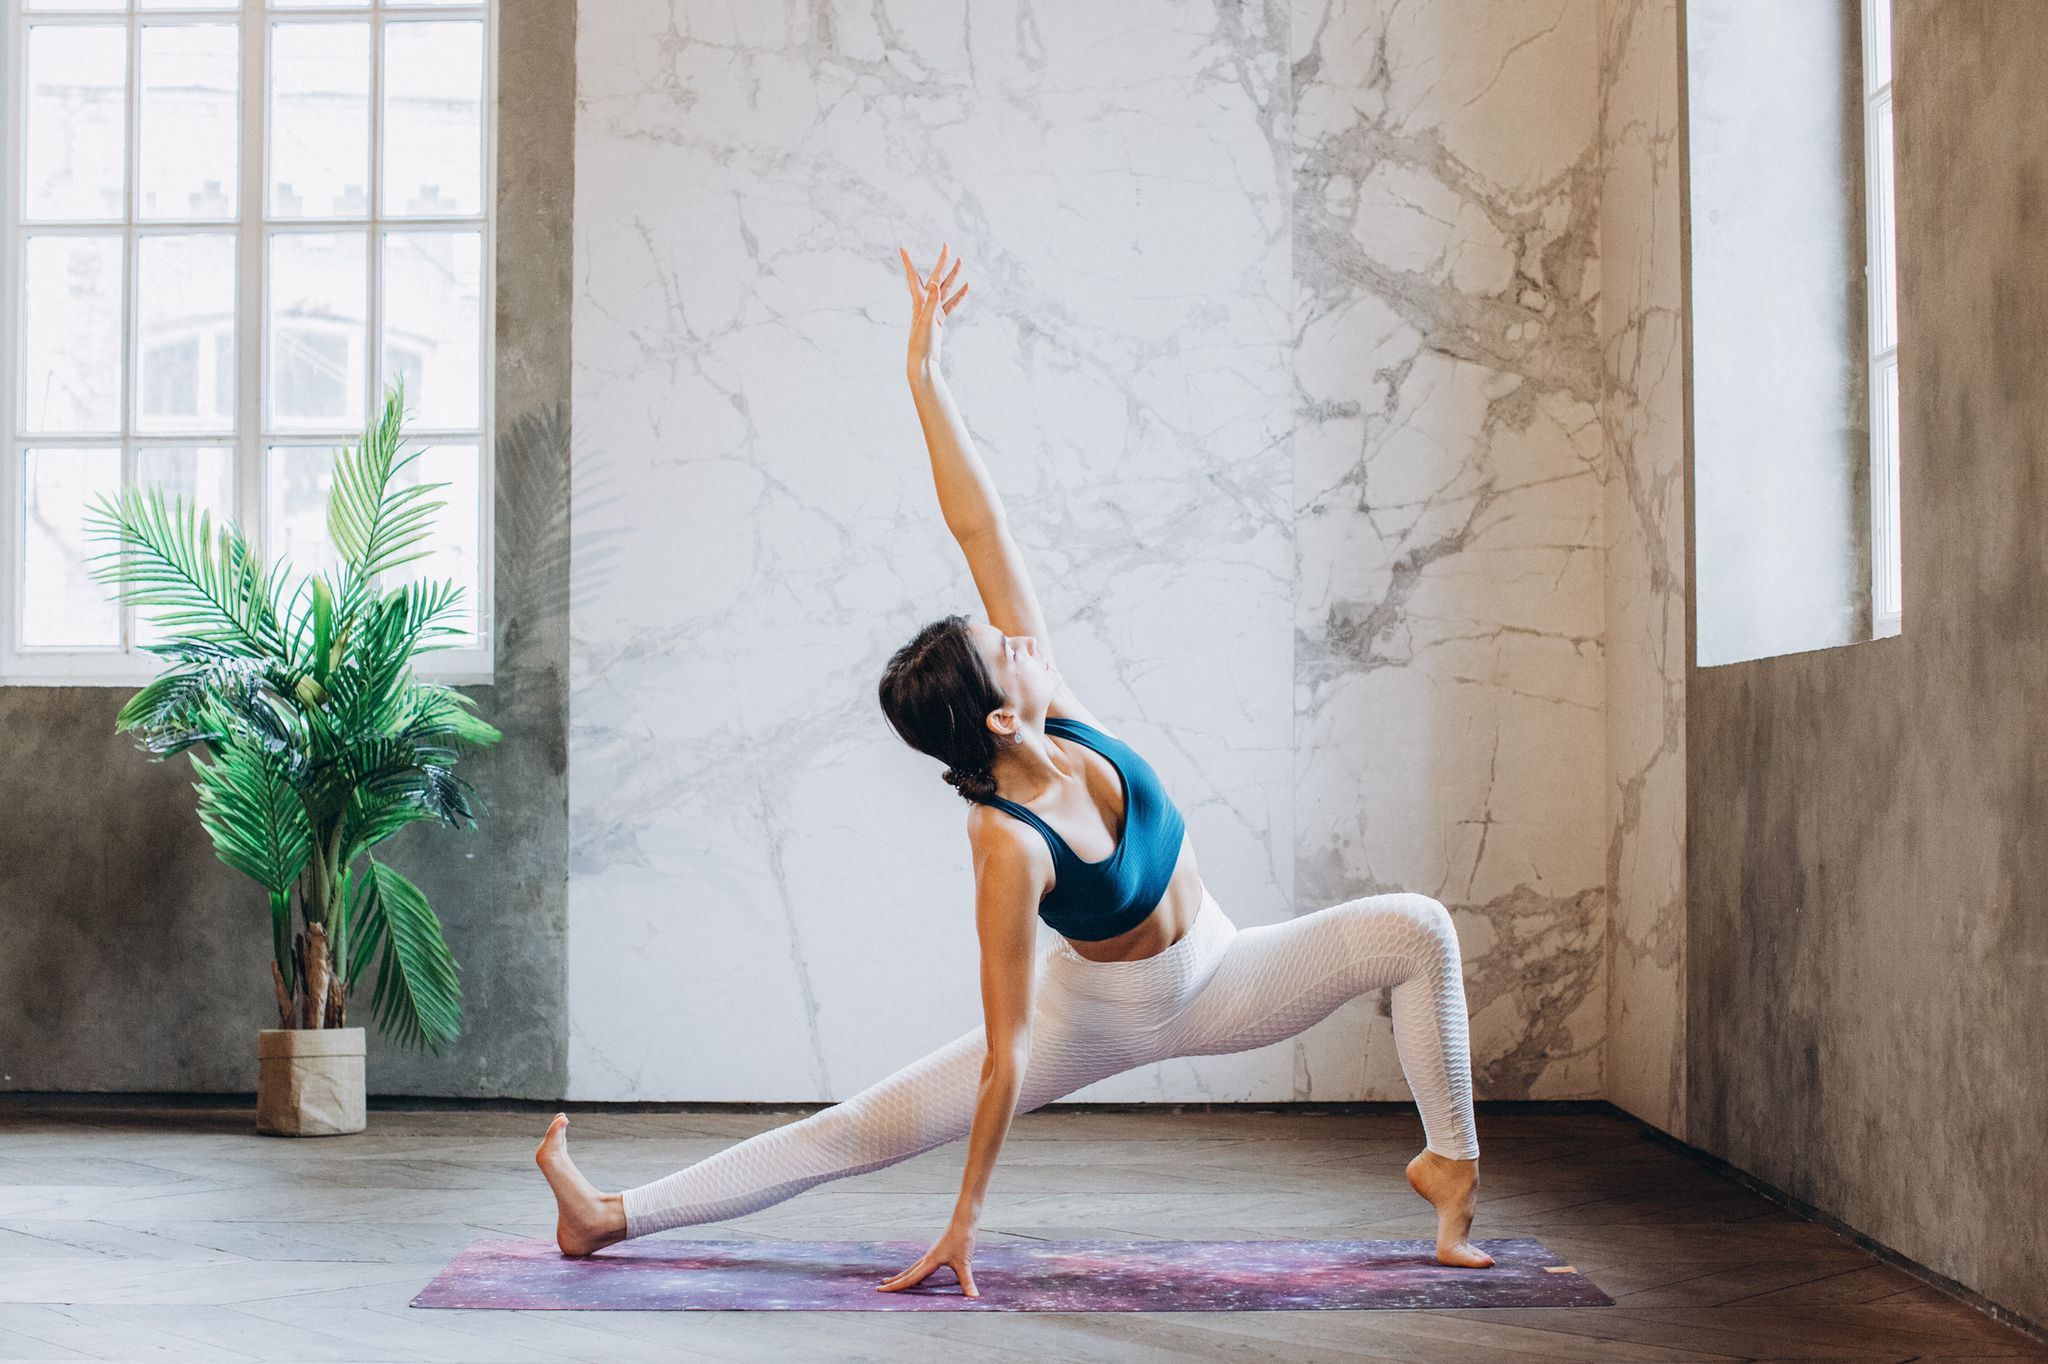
931,299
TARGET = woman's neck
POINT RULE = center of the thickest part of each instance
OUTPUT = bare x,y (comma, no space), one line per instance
1032,763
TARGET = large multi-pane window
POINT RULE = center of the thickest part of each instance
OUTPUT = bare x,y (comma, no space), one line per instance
234,223
1879,176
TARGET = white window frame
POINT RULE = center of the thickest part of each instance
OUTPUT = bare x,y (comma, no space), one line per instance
125,665
1880,272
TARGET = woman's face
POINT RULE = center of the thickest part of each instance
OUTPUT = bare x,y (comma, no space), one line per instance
1017,666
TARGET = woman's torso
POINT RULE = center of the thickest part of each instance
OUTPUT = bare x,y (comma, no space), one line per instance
1094,824
1165,926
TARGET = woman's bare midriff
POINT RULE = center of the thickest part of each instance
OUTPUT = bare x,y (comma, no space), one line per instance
1166,925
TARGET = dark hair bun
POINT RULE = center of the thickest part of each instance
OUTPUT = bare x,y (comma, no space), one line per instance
975,783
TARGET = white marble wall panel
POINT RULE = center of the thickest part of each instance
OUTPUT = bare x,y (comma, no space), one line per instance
1448,472
1641,340
1284,349
770,894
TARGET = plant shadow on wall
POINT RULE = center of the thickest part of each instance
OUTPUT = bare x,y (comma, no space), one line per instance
319,744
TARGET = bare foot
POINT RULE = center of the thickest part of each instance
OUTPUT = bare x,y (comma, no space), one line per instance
1453,1186
586,1219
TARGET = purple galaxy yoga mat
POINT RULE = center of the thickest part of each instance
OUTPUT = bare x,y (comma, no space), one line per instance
656,1274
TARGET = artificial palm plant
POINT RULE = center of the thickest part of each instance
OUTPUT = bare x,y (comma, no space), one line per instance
319,741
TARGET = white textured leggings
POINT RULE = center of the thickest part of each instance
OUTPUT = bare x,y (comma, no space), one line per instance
1219,989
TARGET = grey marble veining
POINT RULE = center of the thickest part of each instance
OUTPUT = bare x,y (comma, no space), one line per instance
1641,330
770,894
1288,351
1448,454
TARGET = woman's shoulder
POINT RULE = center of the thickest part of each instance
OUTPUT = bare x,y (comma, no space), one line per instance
993,829
1009,850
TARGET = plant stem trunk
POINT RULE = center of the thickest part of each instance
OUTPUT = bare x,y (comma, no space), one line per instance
284,996
316,976
320,1003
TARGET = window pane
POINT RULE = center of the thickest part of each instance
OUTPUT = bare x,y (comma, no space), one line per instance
433,117
185,320
202,475
71,343
76,4
317,361
224,371
77,116
1887,230
295,483
320,120
433,326
190,99
189,4
455,529
337,4
60,603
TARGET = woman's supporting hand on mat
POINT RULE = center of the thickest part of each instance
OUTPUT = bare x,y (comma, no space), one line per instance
955,1247
1006,920
931,300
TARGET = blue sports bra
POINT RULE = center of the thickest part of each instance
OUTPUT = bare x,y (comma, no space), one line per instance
1091,901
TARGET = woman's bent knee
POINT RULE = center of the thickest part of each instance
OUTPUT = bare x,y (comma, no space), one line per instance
1435,920
1404,923
1435,916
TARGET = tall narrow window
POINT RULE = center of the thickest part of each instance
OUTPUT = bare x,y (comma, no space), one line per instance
1881,269
232,223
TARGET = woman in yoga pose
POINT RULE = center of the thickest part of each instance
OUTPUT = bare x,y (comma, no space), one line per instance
1147,965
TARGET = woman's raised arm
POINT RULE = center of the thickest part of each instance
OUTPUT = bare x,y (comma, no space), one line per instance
968,500
967,495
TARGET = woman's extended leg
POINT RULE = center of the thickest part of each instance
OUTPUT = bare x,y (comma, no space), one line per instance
926,1104
912,1110
1274,980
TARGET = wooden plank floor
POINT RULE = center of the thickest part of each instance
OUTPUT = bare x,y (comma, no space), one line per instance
178,1233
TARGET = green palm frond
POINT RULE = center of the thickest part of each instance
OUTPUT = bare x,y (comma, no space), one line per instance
173,700
375,524
418,999
424,611
281,938
211,583
372,819
368,695
297,611
449,797
377,767
442,713
248,804
310,736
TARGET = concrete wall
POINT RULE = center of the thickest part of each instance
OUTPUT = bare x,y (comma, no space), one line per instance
1774,121
130,957
1869,933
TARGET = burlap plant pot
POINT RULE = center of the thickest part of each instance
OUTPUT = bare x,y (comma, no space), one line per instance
309,1081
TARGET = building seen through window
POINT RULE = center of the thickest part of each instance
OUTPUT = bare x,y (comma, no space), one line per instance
215,290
